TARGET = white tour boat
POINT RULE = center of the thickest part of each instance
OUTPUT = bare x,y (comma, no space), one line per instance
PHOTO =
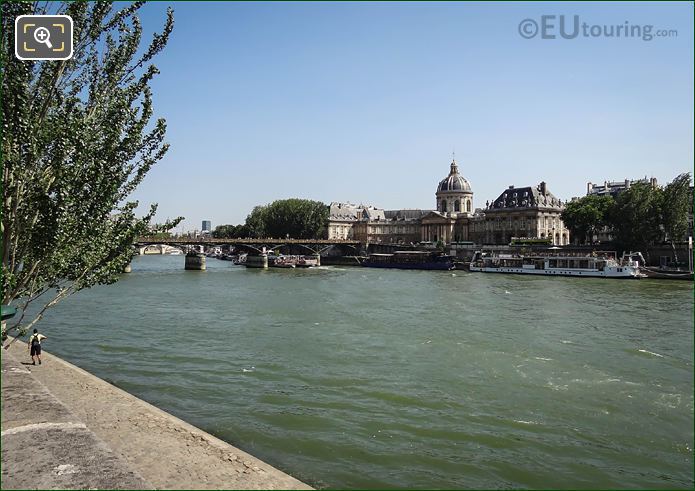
555,263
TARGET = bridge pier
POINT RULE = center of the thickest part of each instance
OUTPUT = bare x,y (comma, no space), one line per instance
195,261
260,261
318,259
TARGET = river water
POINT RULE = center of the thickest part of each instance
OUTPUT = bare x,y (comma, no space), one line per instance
358,377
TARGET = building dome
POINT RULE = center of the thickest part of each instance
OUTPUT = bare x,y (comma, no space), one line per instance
454,181
454,194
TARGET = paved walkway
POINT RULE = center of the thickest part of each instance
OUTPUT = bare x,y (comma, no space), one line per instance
45,446
65,428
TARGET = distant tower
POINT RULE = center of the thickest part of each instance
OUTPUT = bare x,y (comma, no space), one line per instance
207,226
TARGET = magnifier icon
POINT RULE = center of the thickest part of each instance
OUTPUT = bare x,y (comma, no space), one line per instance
43,35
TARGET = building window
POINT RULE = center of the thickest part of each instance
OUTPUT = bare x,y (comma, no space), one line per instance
457,205
443,205
468,206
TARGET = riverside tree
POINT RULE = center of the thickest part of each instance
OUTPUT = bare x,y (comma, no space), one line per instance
676,202
296,218
78,137
231,232
636,217
586,216
255,222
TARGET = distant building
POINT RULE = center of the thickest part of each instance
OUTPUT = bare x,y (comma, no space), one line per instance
450,221
342,218
614,188
207,226
379,226
530,212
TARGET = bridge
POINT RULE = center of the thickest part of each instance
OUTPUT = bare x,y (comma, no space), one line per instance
314,246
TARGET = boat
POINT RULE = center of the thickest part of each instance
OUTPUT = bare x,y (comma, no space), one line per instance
214,253
307,262
658,273
288,261
410,260
556,263
283,262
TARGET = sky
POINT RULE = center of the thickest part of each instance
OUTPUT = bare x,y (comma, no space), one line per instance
365,102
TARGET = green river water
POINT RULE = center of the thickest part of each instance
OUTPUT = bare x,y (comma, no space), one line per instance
355,377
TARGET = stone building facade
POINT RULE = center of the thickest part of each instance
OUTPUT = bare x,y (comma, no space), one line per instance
390,227
342,218
529,212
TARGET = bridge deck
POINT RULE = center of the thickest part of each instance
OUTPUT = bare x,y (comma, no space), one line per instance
213,241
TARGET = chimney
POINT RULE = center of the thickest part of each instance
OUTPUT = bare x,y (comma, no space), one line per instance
544,190
588,188
511,187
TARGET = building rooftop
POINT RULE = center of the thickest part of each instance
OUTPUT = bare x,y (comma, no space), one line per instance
454,181
526,197
405,214
615,187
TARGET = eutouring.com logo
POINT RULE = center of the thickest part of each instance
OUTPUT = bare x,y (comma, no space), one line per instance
572,27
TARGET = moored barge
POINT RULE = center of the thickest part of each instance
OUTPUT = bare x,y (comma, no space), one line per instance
410,260
556,263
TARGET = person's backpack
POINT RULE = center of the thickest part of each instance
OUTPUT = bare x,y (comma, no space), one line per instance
35,340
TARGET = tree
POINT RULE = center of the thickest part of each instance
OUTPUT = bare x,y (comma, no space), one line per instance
296,218
636,217
586,216
255,222
77,140
231,232
676,202
240,232
223,232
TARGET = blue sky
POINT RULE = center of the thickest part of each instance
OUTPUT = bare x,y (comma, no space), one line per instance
364,102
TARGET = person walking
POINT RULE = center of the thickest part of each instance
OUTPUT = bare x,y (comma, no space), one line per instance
35,346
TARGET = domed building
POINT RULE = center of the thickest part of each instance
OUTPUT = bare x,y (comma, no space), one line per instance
454,194
449,223
525,214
